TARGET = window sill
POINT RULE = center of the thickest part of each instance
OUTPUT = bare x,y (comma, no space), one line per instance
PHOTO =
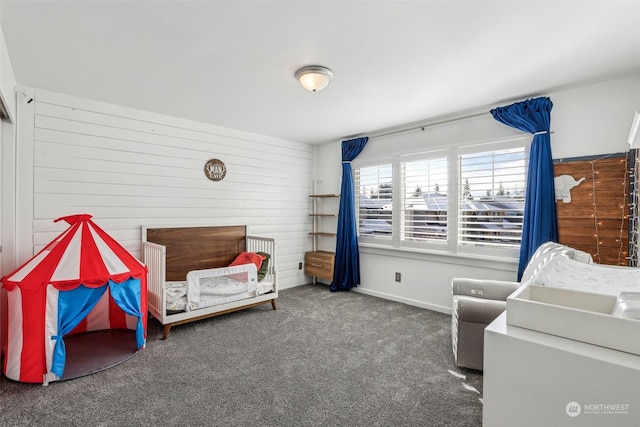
495,263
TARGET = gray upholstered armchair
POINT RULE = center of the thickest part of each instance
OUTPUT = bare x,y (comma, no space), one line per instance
476,303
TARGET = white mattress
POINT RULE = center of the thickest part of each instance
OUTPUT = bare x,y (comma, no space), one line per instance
207,288
563,272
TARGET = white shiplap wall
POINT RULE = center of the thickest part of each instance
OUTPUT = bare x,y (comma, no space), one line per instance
130,168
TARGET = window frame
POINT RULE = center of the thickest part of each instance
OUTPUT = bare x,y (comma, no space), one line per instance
432,244
451,245
478,248
363,238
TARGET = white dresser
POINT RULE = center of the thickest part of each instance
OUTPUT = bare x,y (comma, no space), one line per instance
536,379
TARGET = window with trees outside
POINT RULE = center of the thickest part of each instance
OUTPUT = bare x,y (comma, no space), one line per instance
374,200
464,199
424,204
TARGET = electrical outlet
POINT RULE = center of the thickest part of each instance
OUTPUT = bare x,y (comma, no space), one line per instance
300,265
398,277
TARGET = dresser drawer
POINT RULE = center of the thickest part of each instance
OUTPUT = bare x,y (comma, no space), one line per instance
319,264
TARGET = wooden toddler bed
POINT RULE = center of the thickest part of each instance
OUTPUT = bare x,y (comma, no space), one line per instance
179,259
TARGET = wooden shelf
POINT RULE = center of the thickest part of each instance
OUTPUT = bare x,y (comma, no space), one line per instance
318,263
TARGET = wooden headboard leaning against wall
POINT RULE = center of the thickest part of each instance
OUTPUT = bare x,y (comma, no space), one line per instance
198,248
596,219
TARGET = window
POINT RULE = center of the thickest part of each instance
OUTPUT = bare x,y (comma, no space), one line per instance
491,201
374,196
425,200
460,200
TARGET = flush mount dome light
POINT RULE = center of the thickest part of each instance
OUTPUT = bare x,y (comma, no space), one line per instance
314,78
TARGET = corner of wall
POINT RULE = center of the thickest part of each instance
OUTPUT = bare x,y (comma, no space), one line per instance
327,159
7,81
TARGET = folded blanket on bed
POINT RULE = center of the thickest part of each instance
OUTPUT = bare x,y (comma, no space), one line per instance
176,296
260,259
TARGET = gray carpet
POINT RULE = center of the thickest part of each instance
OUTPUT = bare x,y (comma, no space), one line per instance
321,359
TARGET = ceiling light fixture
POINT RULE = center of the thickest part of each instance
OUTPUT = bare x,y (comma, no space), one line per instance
314,78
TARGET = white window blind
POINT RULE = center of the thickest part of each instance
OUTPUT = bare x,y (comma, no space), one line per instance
491,197
425,201
374,188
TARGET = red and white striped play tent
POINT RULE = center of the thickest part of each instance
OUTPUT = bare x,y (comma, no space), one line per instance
82,281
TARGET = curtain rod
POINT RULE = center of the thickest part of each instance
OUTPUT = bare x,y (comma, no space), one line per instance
440,122
461,115
429,124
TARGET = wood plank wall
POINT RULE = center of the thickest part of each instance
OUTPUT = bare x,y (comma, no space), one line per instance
634,199
596,220
129,168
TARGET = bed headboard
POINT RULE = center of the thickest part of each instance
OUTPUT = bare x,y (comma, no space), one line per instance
198,248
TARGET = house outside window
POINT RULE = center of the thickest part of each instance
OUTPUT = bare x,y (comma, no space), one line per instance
374,199
458,200
424,206
491,201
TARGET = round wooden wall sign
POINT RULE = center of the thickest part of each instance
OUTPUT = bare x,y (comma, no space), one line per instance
215,170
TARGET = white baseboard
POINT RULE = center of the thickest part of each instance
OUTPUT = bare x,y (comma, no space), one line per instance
290,286
408,301
384,295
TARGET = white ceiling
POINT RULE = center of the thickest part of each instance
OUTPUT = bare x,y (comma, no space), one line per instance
232,63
